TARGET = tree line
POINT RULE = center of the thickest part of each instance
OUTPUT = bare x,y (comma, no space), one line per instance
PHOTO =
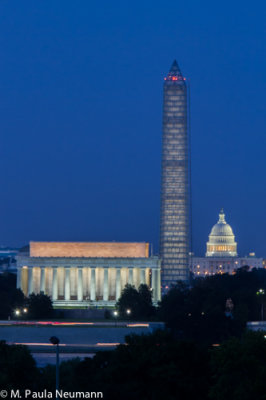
151,367
205,352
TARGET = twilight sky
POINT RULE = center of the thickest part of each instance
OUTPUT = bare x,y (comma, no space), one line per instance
81,117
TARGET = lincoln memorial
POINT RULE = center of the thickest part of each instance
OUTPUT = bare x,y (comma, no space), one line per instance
82,274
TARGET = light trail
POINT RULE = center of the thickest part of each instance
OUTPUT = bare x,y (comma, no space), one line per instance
66,344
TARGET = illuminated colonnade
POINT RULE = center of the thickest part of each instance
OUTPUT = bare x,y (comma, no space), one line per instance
75,281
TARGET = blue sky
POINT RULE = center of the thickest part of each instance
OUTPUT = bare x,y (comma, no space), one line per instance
81,117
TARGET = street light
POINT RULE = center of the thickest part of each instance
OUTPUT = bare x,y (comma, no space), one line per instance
115,315
260,293
25,310
17,312
128,311
55,341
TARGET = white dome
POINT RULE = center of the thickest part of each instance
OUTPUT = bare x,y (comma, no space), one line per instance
221,229
221,239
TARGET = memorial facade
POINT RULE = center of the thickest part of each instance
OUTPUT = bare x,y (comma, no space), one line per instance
86,274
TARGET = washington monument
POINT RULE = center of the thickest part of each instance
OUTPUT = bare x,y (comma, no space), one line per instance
175,181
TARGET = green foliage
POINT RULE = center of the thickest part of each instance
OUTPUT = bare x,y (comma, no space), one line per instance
139,302
40,306
149,367
68,370
17,367
198,312
157,366
10,297
47,378
239,369
129,299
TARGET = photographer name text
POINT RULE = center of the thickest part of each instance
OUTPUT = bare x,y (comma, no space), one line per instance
45,394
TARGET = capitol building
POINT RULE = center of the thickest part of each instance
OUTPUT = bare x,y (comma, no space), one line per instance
221,253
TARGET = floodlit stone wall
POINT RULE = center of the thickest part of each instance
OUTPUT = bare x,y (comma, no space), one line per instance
89,249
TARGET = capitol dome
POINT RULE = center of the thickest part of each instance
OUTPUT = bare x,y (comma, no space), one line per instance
221,240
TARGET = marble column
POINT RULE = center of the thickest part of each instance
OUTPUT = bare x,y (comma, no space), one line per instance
159,284
155,284
118,284
42,280
80,284
130,276
105,284
93,285
30,280
67,283
55,284
142,276
19,272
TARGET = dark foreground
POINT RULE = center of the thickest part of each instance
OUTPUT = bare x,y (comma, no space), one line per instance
153,366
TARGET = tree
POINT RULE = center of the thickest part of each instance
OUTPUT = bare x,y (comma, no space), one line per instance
139,302
17,367
238,368
128,300
198,312
146,308
145,368
173,309
10,297
40,306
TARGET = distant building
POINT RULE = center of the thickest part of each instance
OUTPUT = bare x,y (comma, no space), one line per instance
80,274
8,259
221,239
221,255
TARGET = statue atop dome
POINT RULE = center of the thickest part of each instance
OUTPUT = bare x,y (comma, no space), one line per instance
221,217
221,239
